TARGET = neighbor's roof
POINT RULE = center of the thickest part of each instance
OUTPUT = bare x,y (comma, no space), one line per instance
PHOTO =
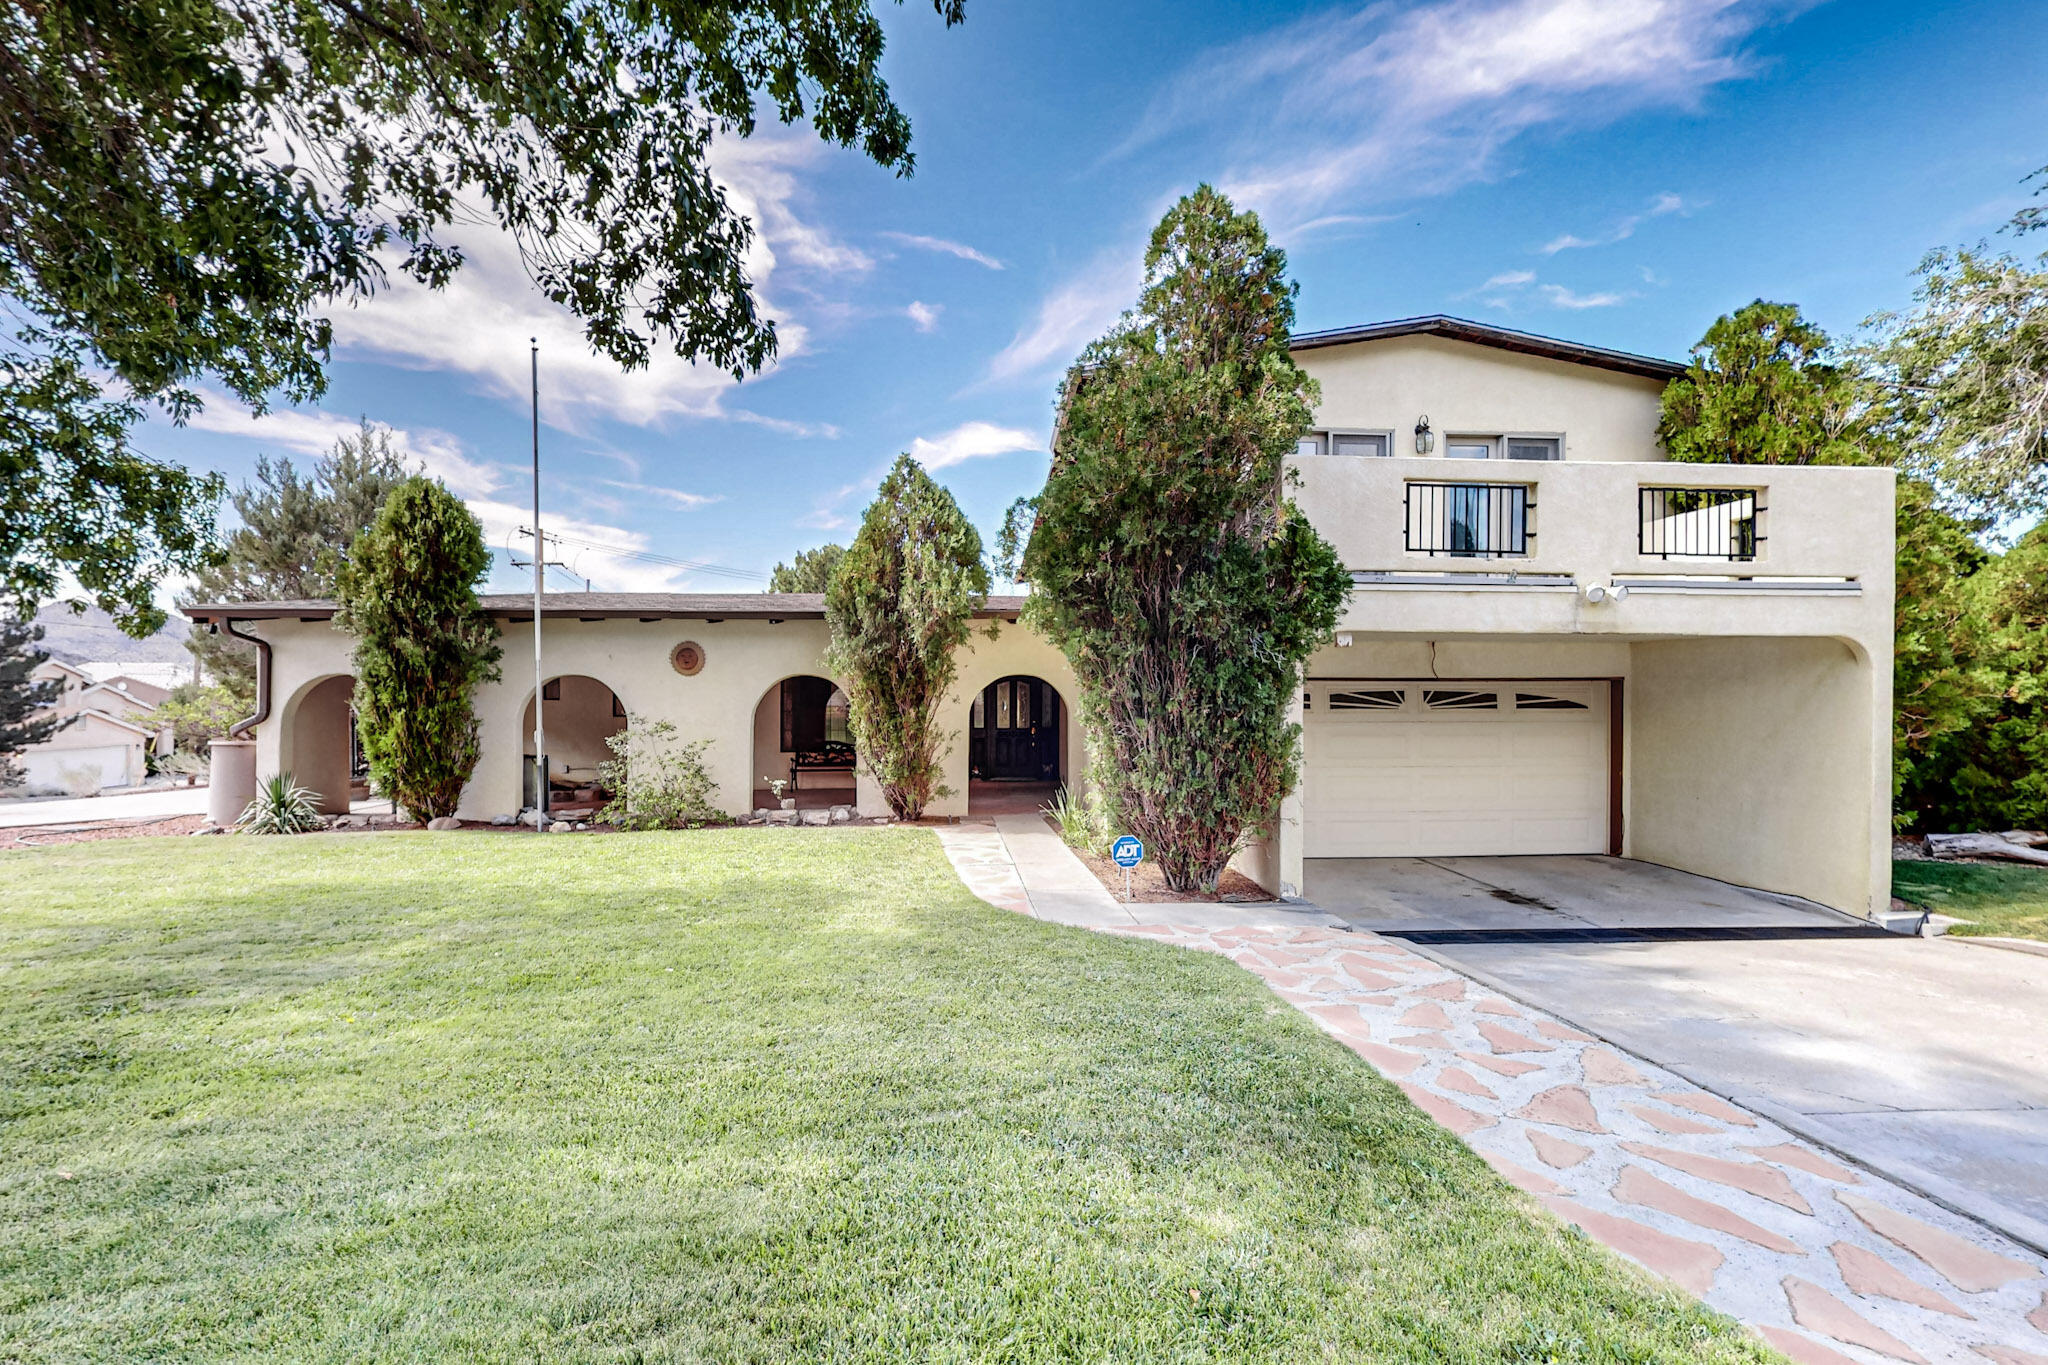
594,606
1486,334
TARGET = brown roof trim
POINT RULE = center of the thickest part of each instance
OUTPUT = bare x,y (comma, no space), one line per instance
649,606
1501,338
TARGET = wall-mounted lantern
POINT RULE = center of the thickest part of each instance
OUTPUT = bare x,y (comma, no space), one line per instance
1425,439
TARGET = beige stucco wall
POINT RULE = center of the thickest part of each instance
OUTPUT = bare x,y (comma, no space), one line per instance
744,661
1466,389
320,742
1756,761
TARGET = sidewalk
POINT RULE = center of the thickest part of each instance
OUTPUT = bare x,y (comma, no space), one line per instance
1827,1263
156,803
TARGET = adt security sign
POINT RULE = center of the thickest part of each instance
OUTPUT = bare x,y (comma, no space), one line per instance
1127,852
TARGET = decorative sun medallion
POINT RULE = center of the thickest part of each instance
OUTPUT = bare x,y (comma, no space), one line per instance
688,658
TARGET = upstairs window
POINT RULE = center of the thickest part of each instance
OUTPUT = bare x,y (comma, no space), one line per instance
1534,448
1353,443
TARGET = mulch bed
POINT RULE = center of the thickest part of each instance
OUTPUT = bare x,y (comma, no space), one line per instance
44,836
1148,884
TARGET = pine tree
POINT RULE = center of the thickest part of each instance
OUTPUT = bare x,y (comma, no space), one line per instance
296,531
25,716
408,595
811,570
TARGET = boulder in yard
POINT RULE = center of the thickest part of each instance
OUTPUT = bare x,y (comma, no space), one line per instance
502,820
841,814
444,823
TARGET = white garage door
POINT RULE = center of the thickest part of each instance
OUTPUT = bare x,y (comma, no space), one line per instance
1413,769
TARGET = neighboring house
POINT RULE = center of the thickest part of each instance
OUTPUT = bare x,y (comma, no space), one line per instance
101,744
1559,642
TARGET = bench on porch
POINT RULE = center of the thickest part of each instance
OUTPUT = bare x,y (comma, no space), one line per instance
833,757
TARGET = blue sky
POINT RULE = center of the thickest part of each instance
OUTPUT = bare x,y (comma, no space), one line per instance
1612,171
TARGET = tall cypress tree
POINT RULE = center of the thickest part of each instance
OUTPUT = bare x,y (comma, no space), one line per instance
1164,556
900,602
24,702
408,595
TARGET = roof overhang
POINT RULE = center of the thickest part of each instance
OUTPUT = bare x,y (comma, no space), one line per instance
1500,338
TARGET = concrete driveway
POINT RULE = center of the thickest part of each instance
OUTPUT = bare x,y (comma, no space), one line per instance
1925,1059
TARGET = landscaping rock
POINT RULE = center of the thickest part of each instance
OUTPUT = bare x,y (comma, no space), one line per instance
841,814
208,829
782,817
502,820
444,823
561,827
582,826
815,817
761,813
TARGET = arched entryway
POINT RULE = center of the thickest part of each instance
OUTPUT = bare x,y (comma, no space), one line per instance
1014,751
322,750
802,736
581,714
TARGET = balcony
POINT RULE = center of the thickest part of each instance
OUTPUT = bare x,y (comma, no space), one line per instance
1656,529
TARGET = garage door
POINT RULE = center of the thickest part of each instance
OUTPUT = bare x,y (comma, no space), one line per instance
1412,769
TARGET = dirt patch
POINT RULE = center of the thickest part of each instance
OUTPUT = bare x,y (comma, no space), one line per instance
46,836
1148,884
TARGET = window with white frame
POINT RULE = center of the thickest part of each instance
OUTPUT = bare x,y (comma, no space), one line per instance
1353,443
1504,447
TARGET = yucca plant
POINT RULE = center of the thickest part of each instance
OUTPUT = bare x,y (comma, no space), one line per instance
1084,824
281,806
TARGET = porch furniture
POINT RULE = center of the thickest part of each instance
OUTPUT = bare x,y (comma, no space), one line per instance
832,757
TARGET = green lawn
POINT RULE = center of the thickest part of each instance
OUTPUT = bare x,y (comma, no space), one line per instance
751,1095
2008,900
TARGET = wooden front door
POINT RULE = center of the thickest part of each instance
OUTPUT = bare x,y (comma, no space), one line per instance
1016,727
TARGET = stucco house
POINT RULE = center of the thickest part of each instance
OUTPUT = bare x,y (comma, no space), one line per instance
1558,642
102,743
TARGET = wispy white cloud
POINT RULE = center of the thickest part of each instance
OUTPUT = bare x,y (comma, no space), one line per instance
1326,119
1513,289
1376,101
1557,296
1625,228
945,248
925,316
479,325
1070,317
674,497
972,441
607,569
313,431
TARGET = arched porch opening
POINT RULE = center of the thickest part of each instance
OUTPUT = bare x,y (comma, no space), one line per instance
802,736
322,750
1016,758
582,714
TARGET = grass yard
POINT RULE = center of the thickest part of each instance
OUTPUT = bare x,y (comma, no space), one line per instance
750,1095
2008,900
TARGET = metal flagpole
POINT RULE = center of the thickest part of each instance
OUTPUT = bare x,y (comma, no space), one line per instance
540,733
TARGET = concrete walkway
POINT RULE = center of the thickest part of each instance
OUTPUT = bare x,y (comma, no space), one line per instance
1826,1262
156,803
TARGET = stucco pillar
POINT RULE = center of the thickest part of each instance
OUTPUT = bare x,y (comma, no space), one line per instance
232,785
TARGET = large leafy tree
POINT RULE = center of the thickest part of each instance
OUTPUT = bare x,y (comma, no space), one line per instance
810,571
295,534
1764,387
1966,375
1164,557
408,595
903,599
1940,686
189,187
25,715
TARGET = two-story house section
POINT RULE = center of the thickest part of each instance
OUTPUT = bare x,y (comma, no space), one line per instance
1561,642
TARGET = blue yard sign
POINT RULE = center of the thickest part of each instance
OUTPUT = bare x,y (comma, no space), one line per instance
1127,851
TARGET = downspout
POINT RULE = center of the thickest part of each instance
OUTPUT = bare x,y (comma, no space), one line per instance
240,729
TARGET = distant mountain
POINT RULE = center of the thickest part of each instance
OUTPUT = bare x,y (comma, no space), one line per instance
92,636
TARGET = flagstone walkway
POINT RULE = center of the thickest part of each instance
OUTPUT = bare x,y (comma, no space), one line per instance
1827,1263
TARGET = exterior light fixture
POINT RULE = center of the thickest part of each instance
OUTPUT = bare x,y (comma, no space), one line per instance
1425,439
1343,639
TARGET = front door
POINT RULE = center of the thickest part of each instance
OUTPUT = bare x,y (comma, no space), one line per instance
1016,729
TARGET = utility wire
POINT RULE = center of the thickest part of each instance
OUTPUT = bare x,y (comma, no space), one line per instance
648,556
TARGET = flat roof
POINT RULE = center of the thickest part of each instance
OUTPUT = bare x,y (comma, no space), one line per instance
1501,338
595,606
